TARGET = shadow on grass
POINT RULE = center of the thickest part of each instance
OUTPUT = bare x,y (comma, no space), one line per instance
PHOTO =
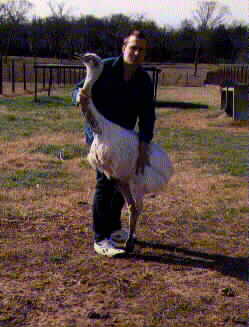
230,266
181,105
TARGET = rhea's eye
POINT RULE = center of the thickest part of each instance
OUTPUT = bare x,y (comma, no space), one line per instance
94,62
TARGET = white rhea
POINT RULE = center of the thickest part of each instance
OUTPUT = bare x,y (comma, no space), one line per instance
114,152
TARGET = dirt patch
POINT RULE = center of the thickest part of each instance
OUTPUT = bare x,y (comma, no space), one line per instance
209,121
209,95
204,119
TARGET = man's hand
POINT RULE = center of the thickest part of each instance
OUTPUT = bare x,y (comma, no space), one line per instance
143,157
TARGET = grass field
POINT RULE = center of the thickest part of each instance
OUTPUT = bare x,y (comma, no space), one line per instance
189,267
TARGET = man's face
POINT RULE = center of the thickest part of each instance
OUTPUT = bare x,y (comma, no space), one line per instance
134,51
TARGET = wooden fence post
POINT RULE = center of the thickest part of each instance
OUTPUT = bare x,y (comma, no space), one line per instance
1,74
64,76
9,71
243,70
24,77
70,76
13,76
50,81
44,78
35,83
74,76
58,76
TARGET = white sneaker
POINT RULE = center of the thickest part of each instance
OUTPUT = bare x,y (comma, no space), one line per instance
107,248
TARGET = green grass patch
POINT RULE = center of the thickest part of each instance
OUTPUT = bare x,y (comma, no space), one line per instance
14,125
27,103
84,164
58,258
30,177
71,124
228,153
14,215
223,152
24,117
66,151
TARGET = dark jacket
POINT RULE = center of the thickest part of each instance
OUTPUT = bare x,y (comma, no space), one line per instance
124,102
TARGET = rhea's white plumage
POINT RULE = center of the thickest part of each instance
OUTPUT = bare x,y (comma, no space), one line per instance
114,150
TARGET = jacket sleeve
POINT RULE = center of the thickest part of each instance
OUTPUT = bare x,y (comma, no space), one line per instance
146,111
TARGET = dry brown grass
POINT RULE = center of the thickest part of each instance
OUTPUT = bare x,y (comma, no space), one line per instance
188,268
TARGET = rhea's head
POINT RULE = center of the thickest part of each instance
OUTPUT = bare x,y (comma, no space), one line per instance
91,60
94,65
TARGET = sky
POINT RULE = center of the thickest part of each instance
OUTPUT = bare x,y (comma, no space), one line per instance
163,12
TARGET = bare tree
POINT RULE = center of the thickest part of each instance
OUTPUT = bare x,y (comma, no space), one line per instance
15,11
58,9
208,15
12,14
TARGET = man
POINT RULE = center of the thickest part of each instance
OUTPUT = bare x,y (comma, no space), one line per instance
123,94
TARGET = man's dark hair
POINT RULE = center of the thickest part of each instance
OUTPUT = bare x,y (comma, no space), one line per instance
137,33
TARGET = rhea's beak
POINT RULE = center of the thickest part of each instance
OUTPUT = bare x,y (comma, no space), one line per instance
77,56
88,58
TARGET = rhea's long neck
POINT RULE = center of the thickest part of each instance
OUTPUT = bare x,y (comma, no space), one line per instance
89,81
94,118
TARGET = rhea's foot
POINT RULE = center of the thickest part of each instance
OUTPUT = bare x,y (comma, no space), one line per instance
130,244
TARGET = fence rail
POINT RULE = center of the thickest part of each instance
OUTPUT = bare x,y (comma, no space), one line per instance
44,76
19,77
153,71
16,76
57,73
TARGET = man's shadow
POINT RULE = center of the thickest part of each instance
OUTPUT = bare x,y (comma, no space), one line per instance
231,266
180,105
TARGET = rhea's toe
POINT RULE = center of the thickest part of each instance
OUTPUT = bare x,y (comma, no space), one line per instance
130,244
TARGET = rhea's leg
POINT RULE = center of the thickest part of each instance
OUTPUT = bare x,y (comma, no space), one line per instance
133,218
133,214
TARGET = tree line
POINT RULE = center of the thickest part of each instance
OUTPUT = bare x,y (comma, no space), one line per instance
204,38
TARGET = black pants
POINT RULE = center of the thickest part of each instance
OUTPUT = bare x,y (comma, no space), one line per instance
107,206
